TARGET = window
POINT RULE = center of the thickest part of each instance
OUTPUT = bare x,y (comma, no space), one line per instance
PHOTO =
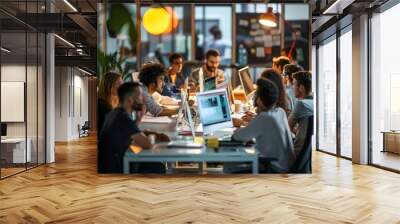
385,86
177,40
22,77
214,30
327,96
346,94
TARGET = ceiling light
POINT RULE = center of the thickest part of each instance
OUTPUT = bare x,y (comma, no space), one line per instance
70,5
5,50
64,40
268,19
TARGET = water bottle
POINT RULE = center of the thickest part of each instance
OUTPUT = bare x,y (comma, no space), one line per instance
242,55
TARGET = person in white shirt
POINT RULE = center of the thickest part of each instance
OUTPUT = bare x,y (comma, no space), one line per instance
270,130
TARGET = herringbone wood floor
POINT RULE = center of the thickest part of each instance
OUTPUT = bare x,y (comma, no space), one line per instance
70,191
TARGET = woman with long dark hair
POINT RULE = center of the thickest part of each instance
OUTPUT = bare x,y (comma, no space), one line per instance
276,78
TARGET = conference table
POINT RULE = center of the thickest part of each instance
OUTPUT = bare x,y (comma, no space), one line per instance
162,153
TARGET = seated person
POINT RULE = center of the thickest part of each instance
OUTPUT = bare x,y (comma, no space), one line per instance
279,63
304,108
208,70
288,71
120,130
272,75
152,78
174,79
270,129
277,79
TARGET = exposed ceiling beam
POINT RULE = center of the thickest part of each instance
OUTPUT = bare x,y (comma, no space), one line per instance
84,24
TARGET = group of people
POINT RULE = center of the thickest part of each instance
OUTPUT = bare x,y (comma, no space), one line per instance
284,103
283,100
121,107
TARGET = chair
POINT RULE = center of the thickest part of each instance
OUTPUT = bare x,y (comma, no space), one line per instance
84,130
302,163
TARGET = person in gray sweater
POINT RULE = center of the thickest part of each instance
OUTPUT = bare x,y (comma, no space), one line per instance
270,130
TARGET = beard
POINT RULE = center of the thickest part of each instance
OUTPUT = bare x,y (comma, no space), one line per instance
210,68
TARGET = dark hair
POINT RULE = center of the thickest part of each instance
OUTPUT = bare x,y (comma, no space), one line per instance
290,69
150,72
212,52
126,90
304,78
276,78
172,57
281,61
268,92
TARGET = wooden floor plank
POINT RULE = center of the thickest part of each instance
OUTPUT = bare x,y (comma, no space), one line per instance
71,191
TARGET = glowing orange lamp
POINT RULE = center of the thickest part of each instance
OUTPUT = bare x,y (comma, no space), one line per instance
174,20
156,20
268,19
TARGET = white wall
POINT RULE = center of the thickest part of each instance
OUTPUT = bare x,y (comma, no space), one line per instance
33,127
71,102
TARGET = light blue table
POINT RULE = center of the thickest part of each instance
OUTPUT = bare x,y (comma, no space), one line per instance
164,154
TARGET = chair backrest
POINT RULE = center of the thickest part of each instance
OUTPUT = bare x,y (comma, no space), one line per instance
86,125
303,160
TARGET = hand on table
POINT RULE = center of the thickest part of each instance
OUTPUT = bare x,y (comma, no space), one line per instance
237,122
248,116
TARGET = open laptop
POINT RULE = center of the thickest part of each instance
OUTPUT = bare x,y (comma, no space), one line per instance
246,82
214,110
185,116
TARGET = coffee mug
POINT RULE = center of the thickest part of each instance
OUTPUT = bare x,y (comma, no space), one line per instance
238,106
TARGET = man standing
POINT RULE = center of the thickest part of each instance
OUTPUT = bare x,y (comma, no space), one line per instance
120,130
208,70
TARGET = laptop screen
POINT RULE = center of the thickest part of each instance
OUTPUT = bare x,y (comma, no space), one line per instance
246,80
210,84
214,107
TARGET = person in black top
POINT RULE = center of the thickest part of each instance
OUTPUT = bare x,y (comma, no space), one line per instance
107,96
120,130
